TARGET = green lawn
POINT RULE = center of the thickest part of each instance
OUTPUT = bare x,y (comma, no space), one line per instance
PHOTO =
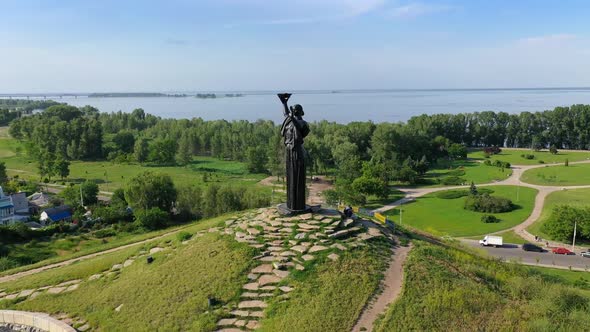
167,295
572,175
374,202
514,156
469,171
448,217
111,176
52,251
446,289
577,197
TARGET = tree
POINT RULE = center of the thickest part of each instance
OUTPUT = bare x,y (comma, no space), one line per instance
163,151
472,189
62,168
457,151
152,219
3,175
141,150
189,202
148,190
89,192
560,225
185,150
118,199
553,149
371,186
407,174
256,159
125,141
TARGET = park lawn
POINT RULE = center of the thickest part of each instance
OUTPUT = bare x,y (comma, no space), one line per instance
9,147
58,250
513,156
171,294
448,217
330,295
572,175
447,289
468,170
111,176
576,197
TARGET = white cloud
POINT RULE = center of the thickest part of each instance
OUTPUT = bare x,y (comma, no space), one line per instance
415,9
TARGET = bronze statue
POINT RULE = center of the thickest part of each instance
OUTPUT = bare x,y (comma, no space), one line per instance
294,130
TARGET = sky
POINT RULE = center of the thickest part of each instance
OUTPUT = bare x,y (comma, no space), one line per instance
228,45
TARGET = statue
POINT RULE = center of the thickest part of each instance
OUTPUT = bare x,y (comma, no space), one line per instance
294,130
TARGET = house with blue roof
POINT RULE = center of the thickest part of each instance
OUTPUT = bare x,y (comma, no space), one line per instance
56,214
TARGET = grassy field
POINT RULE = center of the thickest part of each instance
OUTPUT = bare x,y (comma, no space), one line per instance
451,290
465,169
374,202
577,197
448,217
331,295
167,295
513,156
571,175
58,250
111,176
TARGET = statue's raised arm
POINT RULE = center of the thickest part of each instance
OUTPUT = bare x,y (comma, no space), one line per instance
284,97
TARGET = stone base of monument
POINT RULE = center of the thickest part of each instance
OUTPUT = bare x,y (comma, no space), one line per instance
285,211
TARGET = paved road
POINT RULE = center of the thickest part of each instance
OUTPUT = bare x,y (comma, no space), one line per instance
513,252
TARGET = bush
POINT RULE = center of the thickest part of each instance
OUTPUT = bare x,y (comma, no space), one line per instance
541,162
105,232
492,150
153,218
452,180
183,236
7,264
456,172
501,164
560,225
487,162
528,156
489,219
488,204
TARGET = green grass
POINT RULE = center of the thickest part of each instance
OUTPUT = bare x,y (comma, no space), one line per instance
167,295
330,296
571,175
469,171
58,250
514,156
576,197
447,289
111,176
448,217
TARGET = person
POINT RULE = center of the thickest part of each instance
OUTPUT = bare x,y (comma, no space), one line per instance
348,211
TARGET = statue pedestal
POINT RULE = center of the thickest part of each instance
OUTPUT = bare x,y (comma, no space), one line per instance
284,210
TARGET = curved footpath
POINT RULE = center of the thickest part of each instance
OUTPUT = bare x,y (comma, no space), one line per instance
513,180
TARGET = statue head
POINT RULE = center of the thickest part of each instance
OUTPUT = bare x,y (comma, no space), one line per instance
297,110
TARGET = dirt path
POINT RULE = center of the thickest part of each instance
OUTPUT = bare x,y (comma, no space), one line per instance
391,285
16,276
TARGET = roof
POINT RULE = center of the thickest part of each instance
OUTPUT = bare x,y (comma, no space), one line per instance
59,213
39,199
5,203
20,202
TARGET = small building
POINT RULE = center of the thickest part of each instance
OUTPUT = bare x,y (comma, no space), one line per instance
13,208
38,201
56,214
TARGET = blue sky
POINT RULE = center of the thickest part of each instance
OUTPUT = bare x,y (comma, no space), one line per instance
105,45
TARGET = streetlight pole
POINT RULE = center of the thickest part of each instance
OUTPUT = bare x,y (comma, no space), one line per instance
574,239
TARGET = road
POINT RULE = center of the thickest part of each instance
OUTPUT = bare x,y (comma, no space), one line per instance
513,252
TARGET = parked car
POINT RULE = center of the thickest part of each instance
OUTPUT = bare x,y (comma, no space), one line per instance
561,251
585,254
532,247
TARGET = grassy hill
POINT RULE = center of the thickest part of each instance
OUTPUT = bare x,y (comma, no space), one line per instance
449,289
513,156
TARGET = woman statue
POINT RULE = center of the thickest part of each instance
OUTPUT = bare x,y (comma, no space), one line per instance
294,130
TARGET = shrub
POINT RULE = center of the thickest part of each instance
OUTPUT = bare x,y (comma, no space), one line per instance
528,156
452,180
105,232
541,162
452,194
7,264
492,150
153,218
501,164
489,219
488,204
456,172
183,236
487,162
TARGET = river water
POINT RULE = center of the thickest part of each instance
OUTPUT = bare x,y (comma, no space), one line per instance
344,106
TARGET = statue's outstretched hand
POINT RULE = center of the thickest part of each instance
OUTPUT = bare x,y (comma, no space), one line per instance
284,97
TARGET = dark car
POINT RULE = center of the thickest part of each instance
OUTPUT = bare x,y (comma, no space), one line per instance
531,247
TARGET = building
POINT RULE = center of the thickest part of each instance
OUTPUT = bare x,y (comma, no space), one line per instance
56,214
13,208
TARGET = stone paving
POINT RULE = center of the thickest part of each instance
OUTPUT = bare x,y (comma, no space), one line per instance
285,244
